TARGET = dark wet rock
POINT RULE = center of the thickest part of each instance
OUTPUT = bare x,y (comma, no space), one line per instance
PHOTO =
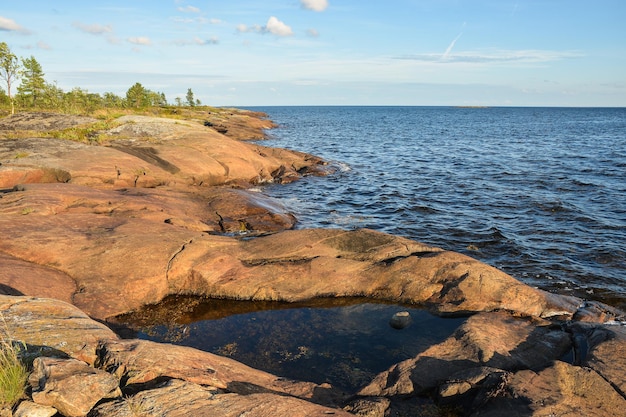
400,320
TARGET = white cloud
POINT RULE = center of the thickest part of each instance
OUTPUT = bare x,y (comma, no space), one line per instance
9,25
278,28
140,40
313,33
273,26
94,29
243,28
200,20
315,5
43,45
197,41
189,9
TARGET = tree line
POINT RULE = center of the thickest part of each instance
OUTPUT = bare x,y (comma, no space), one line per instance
34,93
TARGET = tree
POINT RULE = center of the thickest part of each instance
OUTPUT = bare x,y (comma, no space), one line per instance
9,69
190,101
52,97
33,84
112,100
137,96
156,98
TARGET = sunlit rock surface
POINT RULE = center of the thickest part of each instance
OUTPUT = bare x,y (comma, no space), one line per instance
166,207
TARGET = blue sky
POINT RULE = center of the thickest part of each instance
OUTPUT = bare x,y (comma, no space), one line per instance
332,52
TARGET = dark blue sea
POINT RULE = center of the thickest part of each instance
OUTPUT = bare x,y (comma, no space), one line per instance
537,192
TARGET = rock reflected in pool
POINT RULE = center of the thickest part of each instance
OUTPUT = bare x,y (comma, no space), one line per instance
345,342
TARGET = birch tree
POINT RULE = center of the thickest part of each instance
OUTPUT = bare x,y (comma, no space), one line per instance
9,69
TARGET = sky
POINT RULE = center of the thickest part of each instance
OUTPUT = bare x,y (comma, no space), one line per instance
331,52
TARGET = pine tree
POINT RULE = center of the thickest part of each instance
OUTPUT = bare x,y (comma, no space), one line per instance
33,84
137,96
190,101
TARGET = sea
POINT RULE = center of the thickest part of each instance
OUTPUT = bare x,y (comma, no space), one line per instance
539,193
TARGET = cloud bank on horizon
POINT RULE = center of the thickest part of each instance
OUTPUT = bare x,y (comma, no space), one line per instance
332,52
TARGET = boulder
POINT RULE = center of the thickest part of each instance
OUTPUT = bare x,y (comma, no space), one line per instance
70,386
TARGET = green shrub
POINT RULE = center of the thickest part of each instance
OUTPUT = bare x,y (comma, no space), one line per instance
13,373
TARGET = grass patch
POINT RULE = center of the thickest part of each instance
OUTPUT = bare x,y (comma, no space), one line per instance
93,133
136,407
13,373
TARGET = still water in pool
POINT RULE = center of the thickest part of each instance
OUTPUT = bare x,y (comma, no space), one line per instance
345,345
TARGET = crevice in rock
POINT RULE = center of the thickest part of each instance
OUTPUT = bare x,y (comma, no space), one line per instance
220,222
418,254
148,155
173,257
290,261
133,389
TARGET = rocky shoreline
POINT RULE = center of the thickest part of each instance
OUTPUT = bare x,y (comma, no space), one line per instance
159,208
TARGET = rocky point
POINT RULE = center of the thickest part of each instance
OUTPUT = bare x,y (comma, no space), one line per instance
159,207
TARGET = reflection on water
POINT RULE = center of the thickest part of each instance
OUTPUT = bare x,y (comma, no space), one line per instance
345,342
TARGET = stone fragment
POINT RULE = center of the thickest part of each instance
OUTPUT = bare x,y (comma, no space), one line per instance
70,386
400,320
31,409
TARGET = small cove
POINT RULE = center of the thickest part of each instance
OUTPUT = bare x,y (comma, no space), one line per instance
344,342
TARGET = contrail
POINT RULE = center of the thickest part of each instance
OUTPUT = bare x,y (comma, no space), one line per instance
446,54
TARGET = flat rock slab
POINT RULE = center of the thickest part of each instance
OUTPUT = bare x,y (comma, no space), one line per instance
150,152
140,362
52,327
39,121
177,398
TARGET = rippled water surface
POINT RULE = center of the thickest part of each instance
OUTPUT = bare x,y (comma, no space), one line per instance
537,192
